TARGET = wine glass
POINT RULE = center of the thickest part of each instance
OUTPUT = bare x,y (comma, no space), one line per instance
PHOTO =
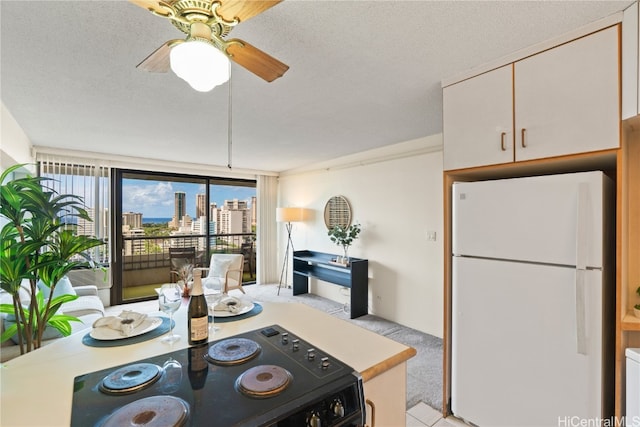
212,300
172,376
169,299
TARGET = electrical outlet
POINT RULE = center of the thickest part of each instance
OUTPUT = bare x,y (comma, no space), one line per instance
431,236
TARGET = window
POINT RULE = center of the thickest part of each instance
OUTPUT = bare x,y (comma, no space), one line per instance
156,212
90,181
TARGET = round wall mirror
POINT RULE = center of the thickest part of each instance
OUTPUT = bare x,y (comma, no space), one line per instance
337,211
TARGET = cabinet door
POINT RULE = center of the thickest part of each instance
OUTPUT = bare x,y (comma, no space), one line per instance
567,98
387,393
478,120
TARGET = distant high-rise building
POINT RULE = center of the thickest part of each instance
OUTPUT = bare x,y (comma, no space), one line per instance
133,246
87,227
235,204
179,208
254,211
201,205
185,222
233,218
180,205
199,226
132,219
94,226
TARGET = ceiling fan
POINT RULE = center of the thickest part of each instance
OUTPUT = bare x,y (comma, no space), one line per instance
206,22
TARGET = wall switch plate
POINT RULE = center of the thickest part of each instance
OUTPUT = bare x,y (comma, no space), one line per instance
431,236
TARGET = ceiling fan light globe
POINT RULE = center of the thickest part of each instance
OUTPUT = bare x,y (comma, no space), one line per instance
200,64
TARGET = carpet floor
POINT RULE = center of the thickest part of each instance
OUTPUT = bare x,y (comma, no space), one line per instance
424,371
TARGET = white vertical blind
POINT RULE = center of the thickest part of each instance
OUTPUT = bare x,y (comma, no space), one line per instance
90,180
267,264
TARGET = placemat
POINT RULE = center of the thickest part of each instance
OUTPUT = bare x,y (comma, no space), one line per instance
162,329
257,309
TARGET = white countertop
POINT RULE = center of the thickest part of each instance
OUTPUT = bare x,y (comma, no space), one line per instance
37,388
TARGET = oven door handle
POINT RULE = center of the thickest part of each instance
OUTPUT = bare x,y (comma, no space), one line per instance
373,413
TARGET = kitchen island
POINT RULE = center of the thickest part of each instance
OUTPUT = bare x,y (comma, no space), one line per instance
37,388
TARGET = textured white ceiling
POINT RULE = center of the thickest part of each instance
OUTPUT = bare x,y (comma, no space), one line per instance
363,74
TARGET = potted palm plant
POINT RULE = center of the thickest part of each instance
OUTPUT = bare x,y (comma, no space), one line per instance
38,246
344,237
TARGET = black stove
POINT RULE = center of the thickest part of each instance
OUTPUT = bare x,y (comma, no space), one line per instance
265,377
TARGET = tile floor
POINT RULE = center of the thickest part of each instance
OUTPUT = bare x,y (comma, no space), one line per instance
422,415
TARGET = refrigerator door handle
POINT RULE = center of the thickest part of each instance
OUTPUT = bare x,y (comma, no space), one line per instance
582,231
582,226
581,333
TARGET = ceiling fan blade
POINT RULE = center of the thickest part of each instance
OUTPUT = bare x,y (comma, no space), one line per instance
255,60
158,61
151,5
243,9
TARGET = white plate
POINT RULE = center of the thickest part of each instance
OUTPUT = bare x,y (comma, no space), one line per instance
106,334
245,307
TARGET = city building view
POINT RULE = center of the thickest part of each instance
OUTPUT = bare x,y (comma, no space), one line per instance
169,223
235,217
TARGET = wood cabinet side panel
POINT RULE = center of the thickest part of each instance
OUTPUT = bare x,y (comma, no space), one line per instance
630,62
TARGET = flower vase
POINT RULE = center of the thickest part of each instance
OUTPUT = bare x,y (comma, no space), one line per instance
345,258
185,288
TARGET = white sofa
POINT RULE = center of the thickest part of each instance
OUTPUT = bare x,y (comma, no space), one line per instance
88,307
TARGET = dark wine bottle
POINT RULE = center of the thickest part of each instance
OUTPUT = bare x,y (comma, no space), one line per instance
198,322
198,366
198,371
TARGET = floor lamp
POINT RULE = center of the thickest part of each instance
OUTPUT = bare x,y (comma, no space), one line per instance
288,215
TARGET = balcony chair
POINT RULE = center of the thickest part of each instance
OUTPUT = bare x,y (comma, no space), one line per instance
178,258
249,258
224,274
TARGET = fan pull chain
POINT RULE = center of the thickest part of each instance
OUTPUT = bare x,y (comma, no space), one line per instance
230,118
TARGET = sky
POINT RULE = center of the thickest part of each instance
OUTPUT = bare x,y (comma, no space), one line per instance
155,199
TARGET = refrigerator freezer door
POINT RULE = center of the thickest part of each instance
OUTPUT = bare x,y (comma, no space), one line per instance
533,219
515,358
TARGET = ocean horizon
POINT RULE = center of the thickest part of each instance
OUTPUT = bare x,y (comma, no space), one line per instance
155,220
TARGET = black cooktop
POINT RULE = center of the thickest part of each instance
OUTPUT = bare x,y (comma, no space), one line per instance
203,386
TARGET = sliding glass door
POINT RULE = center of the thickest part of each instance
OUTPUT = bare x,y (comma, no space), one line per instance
167,223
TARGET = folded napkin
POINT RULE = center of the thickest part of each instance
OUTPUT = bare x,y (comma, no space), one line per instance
230,304
125,322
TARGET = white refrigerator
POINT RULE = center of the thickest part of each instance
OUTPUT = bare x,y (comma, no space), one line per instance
533,280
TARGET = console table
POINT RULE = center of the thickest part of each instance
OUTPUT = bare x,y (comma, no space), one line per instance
308,264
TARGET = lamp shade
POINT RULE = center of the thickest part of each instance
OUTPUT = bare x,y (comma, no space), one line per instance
200,64
290,214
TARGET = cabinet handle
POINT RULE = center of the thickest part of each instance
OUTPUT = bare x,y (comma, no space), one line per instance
502,135
522,141
373,413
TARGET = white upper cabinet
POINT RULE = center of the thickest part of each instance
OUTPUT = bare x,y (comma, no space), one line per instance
630,62
564,100
478,120
567,98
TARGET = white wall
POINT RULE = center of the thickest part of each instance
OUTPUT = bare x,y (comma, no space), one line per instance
15,147
396,195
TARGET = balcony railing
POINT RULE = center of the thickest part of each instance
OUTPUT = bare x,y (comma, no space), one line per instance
146,261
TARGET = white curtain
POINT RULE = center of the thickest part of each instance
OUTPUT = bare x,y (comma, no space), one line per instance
89,179
267,263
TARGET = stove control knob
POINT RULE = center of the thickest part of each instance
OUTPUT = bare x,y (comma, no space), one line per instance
337,408
313,420
296,344
324,364
311,354
285,338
